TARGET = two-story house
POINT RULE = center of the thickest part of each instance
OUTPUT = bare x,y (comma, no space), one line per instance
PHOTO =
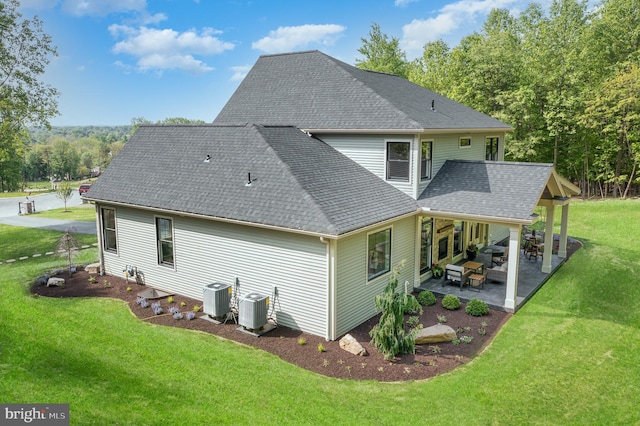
314,180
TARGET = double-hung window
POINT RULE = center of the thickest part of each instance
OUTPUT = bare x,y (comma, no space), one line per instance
379,249
164,235
110,242
398,161
492,149
425,160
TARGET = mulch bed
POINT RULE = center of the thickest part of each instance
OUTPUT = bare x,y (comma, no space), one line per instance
428,361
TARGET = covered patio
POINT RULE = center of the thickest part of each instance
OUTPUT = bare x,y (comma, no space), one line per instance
530,279
504,194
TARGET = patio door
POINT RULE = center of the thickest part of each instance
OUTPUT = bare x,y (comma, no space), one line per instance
426,245
458,240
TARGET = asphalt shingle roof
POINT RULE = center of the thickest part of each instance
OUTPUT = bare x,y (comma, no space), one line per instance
299,182
312,90
487,188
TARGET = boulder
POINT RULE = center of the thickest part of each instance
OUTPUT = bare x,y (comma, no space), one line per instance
93,268
55,282
435,334
351,345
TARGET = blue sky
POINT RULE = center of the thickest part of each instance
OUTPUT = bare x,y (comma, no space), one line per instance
120,59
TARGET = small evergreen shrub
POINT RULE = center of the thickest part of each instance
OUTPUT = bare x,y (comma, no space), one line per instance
388,336
426,298
450,302
477,308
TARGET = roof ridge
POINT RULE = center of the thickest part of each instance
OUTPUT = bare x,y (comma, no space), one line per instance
341,66
303,188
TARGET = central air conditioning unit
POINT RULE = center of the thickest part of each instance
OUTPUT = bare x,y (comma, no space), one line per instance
252,311
215,299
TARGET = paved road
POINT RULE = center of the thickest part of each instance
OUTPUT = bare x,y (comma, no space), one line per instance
9,214
48,201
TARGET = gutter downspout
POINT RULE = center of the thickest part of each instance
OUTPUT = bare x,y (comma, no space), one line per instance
331,288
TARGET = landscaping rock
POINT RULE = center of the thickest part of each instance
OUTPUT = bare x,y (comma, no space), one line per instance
55,282
93,268
351,345
435,334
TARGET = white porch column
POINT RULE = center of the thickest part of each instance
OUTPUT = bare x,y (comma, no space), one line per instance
548,240
512,268
562,248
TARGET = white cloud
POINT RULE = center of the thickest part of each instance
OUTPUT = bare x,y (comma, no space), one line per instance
102,7
168,49
240,72
286,39
450,18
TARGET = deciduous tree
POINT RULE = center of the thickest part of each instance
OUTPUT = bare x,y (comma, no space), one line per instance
25,50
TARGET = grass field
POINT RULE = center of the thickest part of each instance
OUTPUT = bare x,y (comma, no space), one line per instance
85,212
570,356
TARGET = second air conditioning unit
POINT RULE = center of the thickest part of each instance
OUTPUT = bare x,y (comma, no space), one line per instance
252,311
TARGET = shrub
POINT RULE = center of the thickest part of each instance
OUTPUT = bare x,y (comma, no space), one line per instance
442,319
190,316
426,298
388,336
302,341
174,309
413,321
450,302
157,309
321,347
177,315
477,307
170,299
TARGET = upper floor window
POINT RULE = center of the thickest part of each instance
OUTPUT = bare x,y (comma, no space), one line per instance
425,160
379,249
492,149
398,161
465,142
164,234
110,242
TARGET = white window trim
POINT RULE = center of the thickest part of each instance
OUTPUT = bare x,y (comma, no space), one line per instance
366,266
103,228
485,146
460,142
386,153
420,161
173,240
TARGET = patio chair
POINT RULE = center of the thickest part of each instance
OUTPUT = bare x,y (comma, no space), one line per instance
504,258
456,274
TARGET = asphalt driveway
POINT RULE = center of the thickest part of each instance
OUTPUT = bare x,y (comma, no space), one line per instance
9,214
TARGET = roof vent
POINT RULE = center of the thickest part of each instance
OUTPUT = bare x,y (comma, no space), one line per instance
207,159
433,105
249,181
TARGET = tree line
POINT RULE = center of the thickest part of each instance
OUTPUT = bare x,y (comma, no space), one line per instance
566,80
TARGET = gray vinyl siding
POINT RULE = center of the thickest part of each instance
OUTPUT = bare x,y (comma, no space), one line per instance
354,294
370,152
208,251
447,147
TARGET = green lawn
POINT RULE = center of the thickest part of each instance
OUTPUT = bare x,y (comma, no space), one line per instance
570,356
86,212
